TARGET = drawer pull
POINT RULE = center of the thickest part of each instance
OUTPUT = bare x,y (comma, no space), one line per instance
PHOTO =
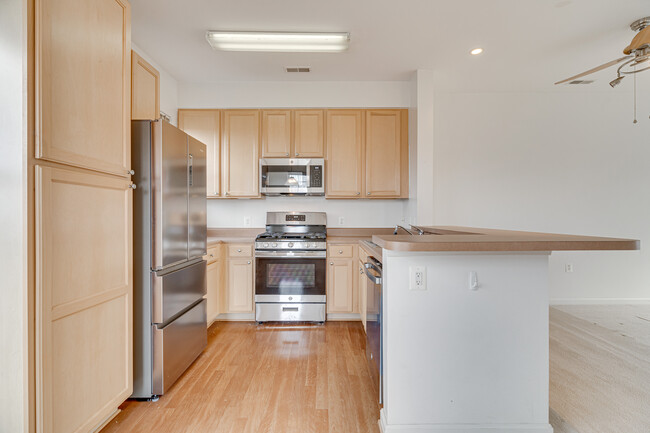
290,309
331,263
248,262
239,250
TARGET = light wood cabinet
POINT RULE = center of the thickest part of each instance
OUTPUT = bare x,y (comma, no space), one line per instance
83,231
205,126
386,154
342,295
214,276
240,285
345,150
82,79
308,133
276,133
363,287
241,142
145,89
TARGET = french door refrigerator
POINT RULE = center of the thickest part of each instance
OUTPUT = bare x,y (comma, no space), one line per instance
169,216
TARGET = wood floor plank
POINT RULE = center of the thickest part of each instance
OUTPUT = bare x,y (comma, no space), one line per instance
266,379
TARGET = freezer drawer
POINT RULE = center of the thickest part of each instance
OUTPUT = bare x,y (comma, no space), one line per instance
173,292
291,312
177,345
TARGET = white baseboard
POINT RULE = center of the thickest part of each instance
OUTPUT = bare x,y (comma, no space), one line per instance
599,301
461,428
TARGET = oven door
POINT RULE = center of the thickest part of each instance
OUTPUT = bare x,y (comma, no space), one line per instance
290,279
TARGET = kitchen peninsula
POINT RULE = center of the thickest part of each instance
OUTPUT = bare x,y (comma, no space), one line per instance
467,350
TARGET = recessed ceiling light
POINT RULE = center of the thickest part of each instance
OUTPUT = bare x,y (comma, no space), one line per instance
476,51
279,41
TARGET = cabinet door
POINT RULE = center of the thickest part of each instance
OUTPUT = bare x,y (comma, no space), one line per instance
214,278
145,89
83,90
362,293
386,161
241,139
340,286
204,125
240,286
344,165
308,133
276,133
83,231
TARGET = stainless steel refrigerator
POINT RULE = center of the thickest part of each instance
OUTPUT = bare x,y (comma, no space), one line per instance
169,216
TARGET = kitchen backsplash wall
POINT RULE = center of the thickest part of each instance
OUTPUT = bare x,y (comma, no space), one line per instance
355,213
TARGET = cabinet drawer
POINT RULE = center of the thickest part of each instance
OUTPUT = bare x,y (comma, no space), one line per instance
346,251
240,250
212,255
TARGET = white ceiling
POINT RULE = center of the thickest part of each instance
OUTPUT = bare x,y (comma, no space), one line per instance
529,44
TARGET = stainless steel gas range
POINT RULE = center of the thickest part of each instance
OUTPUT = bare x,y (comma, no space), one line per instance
290,270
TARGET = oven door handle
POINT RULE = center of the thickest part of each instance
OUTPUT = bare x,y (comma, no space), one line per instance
375,279
293,255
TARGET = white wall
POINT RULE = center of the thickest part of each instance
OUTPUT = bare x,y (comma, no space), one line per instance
168,87
356,213
13,214
563,162
294,94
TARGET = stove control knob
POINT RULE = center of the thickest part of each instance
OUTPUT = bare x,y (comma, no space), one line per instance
266,244
274,244
290,244
307,245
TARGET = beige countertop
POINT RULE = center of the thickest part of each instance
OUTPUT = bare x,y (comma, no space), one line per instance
450,238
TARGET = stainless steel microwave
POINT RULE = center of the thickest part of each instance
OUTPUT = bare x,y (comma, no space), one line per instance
292,176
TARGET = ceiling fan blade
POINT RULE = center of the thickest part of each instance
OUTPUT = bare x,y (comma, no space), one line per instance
596,69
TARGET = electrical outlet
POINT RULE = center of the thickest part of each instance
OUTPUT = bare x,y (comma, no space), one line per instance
418,280
247,221
568,267
341,221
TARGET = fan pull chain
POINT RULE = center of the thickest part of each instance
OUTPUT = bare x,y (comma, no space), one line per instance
635,121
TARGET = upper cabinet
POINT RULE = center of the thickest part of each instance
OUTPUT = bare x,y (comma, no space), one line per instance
344,166
386,159
276,133
241,143
83,74
293,133
204,125
308,133
145,89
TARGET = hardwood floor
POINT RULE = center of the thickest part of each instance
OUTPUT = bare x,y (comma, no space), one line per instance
270,378
600,368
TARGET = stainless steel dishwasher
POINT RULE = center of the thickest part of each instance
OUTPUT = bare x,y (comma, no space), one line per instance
373,271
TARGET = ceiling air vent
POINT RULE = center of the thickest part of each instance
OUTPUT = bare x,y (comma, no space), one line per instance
581,82
297,69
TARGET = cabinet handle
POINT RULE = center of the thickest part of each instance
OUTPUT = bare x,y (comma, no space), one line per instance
227,193
211,255
287,154
331,263
133,186
131,172
368,193
297,154
340,251
358,193
239,250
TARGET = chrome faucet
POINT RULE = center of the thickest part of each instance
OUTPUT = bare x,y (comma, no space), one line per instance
418,229
397,227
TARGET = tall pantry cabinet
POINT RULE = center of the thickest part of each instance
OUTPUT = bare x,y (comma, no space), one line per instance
82,201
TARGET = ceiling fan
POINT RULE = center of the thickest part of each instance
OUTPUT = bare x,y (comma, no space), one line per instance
637,52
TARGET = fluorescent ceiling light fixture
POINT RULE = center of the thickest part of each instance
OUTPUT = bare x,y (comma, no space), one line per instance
476,51
279,41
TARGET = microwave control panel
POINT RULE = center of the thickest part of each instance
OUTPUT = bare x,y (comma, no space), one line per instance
316,176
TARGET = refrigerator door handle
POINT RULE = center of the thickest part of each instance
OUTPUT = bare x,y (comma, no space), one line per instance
191,163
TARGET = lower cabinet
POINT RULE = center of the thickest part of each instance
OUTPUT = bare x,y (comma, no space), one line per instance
341,279
363,293
214,278
240,285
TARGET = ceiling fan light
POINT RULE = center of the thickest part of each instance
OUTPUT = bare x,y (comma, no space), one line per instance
616,81
279,41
